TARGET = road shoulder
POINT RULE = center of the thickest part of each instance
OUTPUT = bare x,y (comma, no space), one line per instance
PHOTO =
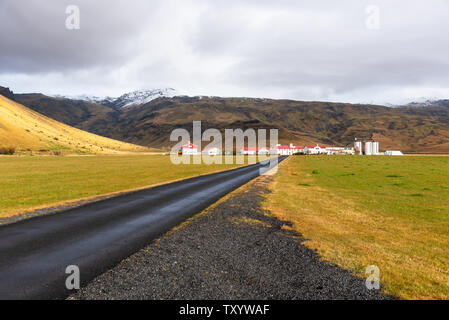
233,250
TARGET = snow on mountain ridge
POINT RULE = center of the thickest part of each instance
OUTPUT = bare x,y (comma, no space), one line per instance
144,96
418,102
128,99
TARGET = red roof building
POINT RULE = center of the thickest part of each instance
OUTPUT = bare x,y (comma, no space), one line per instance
315,149
189,149
288,150
253,151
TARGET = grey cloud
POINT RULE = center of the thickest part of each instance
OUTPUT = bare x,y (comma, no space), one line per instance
409,49
35,39
292,49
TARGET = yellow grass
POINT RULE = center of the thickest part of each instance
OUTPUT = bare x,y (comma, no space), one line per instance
27,130
361,211
28,183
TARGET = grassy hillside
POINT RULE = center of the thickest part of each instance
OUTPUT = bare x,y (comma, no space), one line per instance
386,211
26,130
409,129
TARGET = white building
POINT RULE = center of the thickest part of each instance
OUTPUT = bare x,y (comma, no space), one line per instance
263,150
211,151
393,153
369,148
358,146
315,149
340,151
189,149
249,151
288,150
254,151
375,148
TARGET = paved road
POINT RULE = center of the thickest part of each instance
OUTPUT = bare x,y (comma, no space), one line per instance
34,253
204,260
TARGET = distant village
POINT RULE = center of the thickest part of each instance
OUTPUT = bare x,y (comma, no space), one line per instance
359,148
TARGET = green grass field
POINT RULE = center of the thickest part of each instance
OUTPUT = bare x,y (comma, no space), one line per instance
32,182
392,212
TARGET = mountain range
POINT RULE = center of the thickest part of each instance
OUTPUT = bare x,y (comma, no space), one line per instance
148,117
429,103
126,100
23,130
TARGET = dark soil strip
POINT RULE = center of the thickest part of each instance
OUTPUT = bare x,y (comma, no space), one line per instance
234,251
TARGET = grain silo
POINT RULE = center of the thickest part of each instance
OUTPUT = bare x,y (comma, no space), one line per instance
358,147
375,147
369,148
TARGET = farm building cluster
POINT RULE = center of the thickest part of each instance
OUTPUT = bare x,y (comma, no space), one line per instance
360,148
292,149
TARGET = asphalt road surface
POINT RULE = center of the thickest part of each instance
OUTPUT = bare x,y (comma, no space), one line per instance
35,253
236,250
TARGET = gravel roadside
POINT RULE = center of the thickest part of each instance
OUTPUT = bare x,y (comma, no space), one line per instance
234,250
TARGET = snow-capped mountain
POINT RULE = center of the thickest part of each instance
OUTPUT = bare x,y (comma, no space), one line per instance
430,102
142,97
128,99
421,103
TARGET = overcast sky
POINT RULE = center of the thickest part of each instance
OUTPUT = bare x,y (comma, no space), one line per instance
305,50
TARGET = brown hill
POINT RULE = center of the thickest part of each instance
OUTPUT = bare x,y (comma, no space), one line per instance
409,129
25,130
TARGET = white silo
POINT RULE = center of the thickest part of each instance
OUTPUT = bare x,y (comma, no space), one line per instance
358,147
375,147
368,148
